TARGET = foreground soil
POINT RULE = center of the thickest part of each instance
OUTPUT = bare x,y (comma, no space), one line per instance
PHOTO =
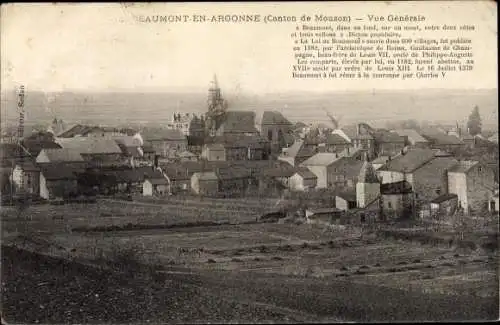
41,289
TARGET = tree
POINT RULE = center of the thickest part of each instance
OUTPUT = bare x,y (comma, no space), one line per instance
474,122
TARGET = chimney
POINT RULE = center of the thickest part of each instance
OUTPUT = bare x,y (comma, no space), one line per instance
155,165
358,129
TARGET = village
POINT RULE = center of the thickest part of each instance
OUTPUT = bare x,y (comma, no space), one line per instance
377,173
264,202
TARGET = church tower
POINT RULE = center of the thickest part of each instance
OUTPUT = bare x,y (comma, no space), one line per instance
368,186
216,107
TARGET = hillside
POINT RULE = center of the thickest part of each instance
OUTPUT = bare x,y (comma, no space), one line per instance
445,106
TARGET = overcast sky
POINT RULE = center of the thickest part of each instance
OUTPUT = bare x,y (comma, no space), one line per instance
101,47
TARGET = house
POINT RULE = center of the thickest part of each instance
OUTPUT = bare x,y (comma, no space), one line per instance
473,183
346,200
425,169
60,155
336,143
33,147
25,178
368,186
323,216
387,143
397,200
241,147
439,140
214,152
187,156
444,205
148,153
155,186
237,123
165,141
494,203
276,128
413,138
94,131
302,180
297,153
319,164
380,161
205,183
58,181
234,180
360,136
181,122
98,152
398,167
344,172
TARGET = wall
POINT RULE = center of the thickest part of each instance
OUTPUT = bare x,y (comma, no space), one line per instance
390,176
457,184
429,183
166,147
366,193
31,180
296,183
397,205
480,183
212,154
341,204
444,209
44,191
321,174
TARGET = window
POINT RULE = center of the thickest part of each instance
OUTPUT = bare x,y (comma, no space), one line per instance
438,191
389,205
480,169
270,134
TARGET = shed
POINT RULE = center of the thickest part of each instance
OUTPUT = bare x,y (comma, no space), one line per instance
205,183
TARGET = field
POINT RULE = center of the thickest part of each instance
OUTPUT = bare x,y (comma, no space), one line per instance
239,249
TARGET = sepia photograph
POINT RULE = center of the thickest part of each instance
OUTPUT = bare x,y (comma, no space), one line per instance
251,162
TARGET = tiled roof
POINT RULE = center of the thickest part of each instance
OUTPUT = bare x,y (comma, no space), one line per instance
437,137
321,159
349,196
335,139
239,122
413,135
233,173
128,141
353,167
305,173
91,145
388,137
274,118
402,187
158,181
131,151
206,176
60,172
463,166
409,161
444,198
34,146
62,155
155,134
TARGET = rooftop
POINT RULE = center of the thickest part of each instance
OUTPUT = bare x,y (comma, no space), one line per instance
62,155
413,135
91,145
321,159
401,187
274,118
444,198
409,161
464,166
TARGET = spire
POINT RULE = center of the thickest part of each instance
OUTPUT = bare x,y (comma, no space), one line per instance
367,174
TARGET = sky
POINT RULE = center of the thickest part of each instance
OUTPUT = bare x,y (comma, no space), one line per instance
99,47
